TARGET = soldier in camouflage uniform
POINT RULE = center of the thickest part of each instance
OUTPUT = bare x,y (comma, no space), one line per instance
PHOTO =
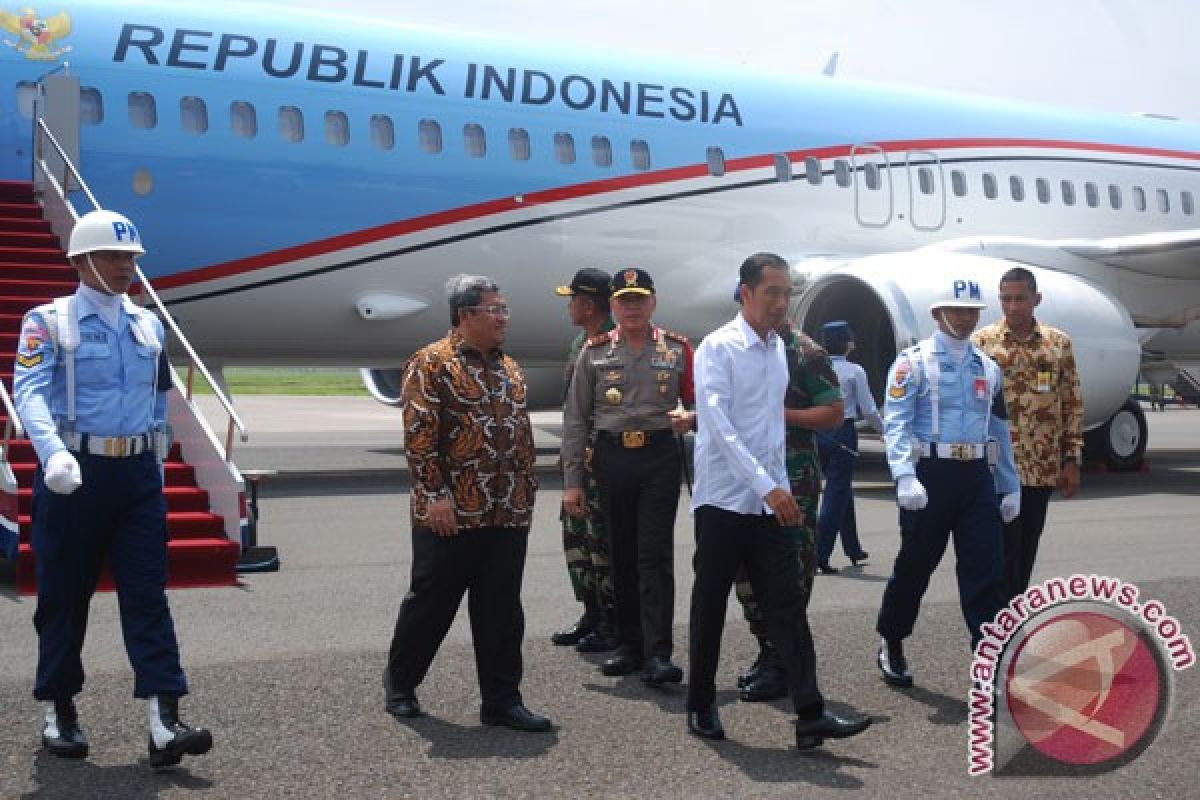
585,539
814,392
1045,415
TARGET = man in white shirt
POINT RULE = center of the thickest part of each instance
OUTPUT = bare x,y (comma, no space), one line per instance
744,506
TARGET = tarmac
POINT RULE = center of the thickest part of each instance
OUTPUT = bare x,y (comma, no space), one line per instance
285,668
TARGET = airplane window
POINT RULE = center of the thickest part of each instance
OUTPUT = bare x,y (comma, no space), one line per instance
193,114
841,172
925,180
958,182
783,168
990,190
601,151
243,119
383,132
639,153
291,124
1068,193
1016,187
1164,202
564,148
143,112
1092,193
26,95
337,128
474,140
812,171
91,106
1187,203
429,136
1139,198
518,144
1114,196
871,176
1043,190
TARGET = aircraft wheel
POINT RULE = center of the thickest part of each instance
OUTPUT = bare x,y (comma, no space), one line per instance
1121,442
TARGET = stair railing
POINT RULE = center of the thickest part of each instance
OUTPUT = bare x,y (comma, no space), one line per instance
13,429
64,205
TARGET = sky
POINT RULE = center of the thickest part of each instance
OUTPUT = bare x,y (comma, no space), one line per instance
1112,55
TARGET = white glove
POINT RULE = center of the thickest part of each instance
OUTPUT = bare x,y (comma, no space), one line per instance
1010,506
910,494
62,473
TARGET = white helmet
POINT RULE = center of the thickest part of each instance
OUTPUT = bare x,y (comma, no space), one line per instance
104,230
960,294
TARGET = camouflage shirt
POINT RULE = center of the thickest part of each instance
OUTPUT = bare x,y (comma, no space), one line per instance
811,382
1041,390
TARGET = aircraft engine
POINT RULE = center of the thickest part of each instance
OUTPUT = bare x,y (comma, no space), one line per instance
383,384
886,300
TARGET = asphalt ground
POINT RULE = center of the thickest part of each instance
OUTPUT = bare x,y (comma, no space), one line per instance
285,669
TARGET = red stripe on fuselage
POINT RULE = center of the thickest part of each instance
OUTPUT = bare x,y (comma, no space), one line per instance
593,188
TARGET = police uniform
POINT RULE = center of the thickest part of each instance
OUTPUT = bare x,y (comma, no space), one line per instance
618,403
941,415
90,381
585,539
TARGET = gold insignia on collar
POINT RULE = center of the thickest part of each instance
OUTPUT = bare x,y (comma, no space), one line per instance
613,396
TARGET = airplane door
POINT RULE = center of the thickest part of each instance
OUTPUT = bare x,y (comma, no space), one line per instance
873,197
926,190
59,107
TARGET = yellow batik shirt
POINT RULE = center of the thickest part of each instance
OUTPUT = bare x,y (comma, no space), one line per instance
1041,390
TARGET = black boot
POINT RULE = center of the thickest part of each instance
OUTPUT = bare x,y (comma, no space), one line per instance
573,634
603,637
765,649
170,739
61,734
770,683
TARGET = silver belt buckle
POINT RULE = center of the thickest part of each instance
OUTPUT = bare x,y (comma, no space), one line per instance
962,452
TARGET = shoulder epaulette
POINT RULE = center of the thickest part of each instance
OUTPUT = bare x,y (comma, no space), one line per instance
673,336
599,339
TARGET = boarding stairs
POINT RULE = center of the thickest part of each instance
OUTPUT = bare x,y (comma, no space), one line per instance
205,498
1187,386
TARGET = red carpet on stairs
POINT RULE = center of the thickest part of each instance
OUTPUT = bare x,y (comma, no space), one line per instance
33,270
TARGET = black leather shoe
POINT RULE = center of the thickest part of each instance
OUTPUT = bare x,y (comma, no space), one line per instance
812,733
61,734
170,739
598,641
863,556
706,724
517,717
660,670
769,684
892,663
766,652
623,662
572,635
399,702
826,569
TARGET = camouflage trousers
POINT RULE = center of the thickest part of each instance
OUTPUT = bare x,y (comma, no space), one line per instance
805,535
586,545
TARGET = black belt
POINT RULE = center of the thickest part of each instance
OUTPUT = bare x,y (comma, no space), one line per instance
632,440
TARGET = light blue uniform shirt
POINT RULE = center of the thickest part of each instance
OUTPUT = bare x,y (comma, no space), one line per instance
856,393
115,378
967,413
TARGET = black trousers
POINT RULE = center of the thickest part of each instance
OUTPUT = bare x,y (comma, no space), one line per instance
639,490
1021,537
488,564
725,541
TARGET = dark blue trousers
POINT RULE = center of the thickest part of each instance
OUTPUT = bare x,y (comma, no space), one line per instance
837,500
118,513
962,504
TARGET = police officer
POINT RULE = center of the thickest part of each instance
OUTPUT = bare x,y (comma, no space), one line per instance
624,396
90,385
585,539
943,412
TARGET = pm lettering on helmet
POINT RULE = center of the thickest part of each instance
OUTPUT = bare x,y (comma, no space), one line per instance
125,231
966,290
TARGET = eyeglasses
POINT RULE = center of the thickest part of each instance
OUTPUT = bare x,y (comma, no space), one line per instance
498,311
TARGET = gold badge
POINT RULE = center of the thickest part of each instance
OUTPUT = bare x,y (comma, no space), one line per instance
613,396
631,277
897,392
664,376
612,376
664,389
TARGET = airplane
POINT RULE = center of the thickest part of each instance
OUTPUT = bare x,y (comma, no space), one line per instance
306,182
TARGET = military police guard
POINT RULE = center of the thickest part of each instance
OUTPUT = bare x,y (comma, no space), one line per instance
623,398
90,385
943,412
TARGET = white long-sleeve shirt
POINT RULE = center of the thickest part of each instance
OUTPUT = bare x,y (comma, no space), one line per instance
856,392
740,385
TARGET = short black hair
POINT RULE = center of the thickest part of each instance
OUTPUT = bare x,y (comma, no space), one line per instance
752,268
1020,275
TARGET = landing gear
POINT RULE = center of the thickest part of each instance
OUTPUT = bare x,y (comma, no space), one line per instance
1119,443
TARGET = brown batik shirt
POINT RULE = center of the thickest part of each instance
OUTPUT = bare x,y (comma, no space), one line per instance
1041,390
467,435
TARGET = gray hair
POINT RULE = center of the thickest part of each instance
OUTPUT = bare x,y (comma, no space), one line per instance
464,291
